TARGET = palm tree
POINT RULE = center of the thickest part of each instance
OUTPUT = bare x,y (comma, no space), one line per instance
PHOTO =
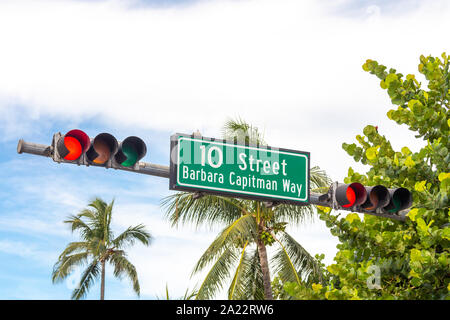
239,253
98,246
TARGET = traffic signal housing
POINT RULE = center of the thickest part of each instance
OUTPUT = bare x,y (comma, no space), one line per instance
104,150
377,200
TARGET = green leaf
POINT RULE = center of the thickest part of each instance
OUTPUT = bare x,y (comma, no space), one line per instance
422,225
421,68
316,287
333,269
443,175
406,151
412,214
372,153
396,162
352,217
391,77
409,162
415,255
420,186
443,259
446,233
443,151
390,113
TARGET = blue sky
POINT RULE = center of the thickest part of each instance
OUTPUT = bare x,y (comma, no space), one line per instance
152,68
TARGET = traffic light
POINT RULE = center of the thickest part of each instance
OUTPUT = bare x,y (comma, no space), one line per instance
373,199
377,197
400,199
72,145
103,146
132,149
104,150
350,195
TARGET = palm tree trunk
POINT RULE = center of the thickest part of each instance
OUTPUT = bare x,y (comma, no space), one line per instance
264,264
102,286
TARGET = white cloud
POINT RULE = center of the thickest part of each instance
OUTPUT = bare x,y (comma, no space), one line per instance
26,250
289,67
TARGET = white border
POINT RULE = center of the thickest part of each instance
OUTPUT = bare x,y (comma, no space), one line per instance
236,191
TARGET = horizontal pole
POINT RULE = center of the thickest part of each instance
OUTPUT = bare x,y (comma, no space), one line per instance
153,169
34,148
164,172
46,151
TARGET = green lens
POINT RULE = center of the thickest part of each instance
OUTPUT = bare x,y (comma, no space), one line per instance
131,155
397,204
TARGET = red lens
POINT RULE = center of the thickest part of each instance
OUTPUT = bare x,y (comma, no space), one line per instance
74,147
351,197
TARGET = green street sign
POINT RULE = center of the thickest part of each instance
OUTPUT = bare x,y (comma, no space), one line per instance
237,170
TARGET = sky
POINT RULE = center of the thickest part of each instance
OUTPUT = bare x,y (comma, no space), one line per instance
152,68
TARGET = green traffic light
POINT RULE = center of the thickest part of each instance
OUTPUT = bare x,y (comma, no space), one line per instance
131,155
397,202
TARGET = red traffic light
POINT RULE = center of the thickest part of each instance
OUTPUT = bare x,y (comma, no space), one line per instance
349,195
102,148
73,145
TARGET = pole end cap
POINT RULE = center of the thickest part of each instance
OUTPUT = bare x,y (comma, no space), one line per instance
20,146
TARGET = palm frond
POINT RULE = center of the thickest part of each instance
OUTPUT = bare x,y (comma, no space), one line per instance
297,214
241,230
217,275
188,294
78,224
99,205
87,213
319,178
182,208
292,262
73,247
242,132
129,236
250,286
123,267
87,280
294,214
285,265
96,246
108,215
100,223
234,287
64,266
